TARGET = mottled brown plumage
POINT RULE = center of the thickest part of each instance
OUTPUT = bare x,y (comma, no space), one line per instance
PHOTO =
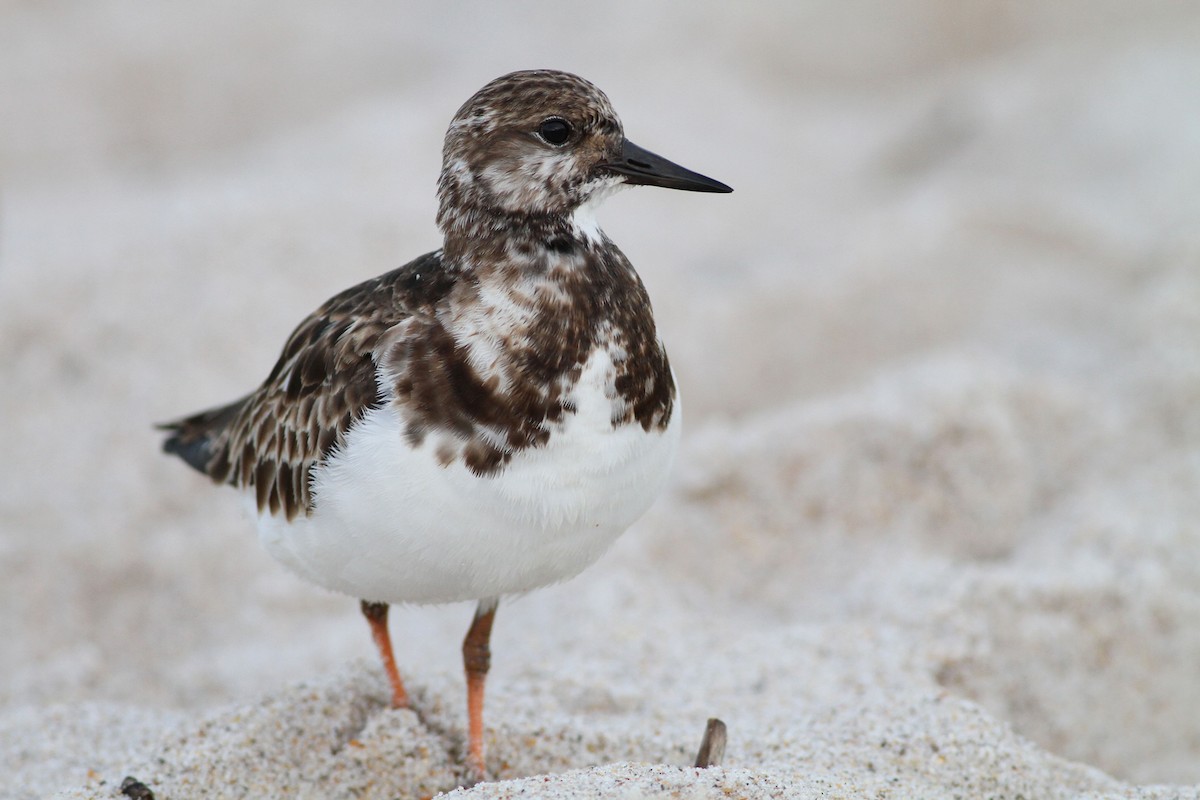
324,380
394,338
486,419
391,339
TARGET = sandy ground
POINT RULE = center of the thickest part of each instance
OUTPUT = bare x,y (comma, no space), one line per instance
933,532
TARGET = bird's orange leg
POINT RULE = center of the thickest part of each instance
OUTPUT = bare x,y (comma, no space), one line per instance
477,657
376,614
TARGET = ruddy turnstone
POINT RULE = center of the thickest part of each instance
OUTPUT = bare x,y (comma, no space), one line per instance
486,419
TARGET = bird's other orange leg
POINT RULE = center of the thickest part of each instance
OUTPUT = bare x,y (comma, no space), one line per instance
477,657
376,614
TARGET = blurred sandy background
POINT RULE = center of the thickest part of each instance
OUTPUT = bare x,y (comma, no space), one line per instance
940,355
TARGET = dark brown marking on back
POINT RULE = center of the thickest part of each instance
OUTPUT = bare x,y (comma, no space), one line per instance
323,381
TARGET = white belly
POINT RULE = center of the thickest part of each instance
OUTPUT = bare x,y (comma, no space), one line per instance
391,524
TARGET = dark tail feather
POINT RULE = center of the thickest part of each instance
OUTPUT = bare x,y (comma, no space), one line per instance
192,437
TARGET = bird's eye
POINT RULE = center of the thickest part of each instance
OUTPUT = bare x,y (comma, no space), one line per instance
555,130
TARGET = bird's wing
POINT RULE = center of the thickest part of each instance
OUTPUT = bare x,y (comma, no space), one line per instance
324,380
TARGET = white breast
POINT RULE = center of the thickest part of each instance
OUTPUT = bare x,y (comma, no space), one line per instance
391,524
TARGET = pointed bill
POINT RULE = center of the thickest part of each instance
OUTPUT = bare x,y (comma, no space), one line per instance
641,167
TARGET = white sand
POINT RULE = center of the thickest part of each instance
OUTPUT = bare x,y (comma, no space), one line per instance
934,530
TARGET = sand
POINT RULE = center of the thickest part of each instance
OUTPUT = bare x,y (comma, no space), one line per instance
933,531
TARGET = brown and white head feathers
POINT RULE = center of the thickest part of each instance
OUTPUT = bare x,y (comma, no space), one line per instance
499,170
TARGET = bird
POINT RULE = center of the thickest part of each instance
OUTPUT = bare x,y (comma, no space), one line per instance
486,419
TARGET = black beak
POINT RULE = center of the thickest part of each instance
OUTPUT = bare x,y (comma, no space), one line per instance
645,168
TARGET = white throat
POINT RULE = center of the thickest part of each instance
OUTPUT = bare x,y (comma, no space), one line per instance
583,218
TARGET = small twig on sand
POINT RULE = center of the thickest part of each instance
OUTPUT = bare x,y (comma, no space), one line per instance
132,788
712,746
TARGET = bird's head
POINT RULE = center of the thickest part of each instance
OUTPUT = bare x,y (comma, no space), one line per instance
541,144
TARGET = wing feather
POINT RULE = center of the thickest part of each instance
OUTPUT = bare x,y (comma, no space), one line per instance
324,380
